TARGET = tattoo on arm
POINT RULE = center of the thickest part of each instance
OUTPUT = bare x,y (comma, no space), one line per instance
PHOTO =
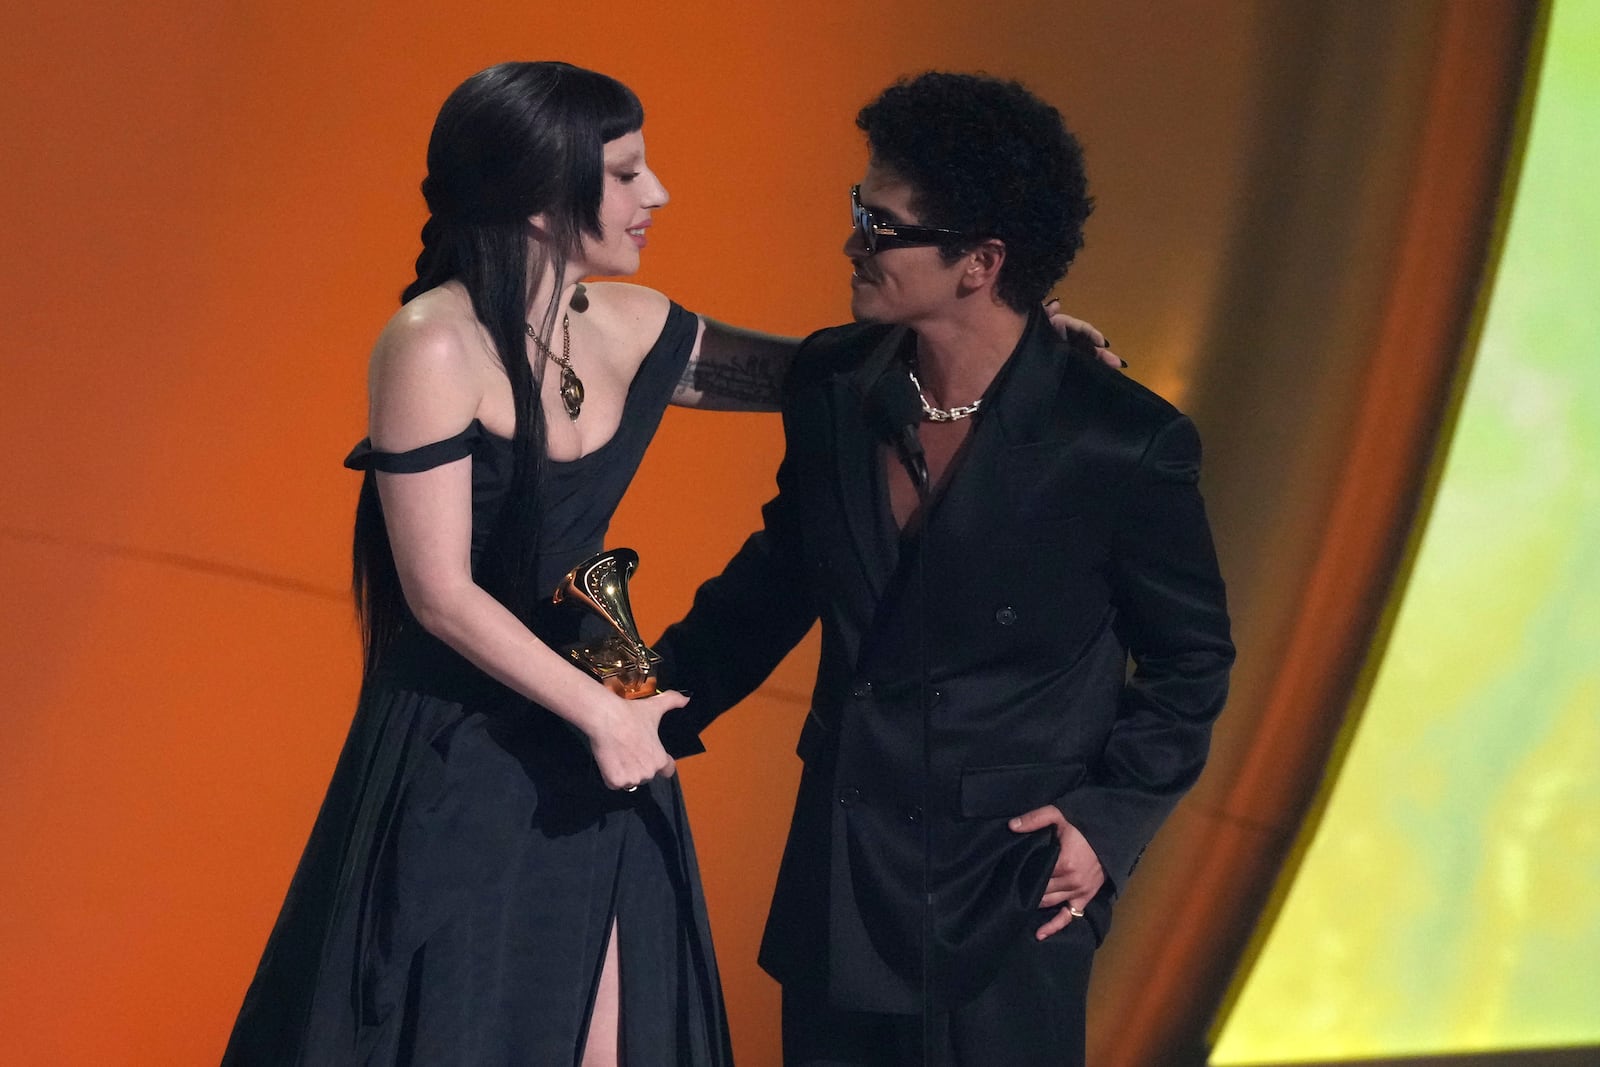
736,381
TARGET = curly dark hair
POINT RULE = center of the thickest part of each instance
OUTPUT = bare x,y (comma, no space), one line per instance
986,156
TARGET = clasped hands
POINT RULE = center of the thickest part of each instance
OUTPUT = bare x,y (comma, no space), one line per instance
624,737
1077,875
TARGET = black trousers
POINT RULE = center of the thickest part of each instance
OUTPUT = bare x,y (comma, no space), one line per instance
1031,1015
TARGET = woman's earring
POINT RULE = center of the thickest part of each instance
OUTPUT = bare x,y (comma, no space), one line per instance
580,299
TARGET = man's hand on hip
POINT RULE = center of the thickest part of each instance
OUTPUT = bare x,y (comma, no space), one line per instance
1078,875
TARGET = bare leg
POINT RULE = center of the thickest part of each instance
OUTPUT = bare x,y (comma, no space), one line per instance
602,1047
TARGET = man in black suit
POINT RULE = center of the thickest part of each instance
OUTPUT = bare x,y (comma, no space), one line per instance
990,524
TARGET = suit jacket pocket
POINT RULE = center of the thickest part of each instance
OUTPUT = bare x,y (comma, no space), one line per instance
1001,792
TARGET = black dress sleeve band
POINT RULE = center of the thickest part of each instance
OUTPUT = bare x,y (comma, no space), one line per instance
423,457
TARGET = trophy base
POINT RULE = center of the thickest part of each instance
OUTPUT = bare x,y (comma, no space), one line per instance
623,668
629,689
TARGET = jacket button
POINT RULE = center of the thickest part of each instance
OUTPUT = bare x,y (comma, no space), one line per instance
861,689
913,814
1005,616
935,697
848,796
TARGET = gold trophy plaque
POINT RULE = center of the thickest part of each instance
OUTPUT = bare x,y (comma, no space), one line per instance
620,660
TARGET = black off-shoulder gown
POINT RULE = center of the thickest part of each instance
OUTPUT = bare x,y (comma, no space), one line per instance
452,902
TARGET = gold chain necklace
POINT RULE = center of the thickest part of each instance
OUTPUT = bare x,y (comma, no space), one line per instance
571,385
942,414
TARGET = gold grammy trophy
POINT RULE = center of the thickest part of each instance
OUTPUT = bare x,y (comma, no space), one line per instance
620,660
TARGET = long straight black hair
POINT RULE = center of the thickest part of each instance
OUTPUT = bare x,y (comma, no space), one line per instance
513,141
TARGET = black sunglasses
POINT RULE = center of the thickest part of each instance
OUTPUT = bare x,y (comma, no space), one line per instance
878,236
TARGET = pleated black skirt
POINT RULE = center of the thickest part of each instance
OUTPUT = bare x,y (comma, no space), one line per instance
453,903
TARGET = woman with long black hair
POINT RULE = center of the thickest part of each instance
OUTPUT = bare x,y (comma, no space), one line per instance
503,858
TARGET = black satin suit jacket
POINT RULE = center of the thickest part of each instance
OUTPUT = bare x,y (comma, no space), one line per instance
970,671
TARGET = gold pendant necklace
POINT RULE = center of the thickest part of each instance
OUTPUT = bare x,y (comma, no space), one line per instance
571,385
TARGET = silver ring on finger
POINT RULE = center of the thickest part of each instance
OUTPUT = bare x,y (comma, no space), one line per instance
630,789
1074,912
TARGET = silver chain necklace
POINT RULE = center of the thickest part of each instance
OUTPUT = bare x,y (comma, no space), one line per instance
942,414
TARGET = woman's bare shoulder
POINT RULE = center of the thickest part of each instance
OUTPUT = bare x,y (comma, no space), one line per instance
635,309
624,321
426,375
437,326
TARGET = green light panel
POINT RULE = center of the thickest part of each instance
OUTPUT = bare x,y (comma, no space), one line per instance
1450,901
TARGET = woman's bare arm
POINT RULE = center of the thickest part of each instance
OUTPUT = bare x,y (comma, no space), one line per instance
426,385
734,369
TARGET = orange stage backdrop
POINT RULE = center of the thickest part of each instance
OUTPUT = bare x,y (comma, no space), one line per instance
210,208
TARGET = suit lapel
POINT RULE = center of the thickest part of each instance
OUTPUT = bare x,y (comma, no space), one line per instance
1026,390
859,466
1017,409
